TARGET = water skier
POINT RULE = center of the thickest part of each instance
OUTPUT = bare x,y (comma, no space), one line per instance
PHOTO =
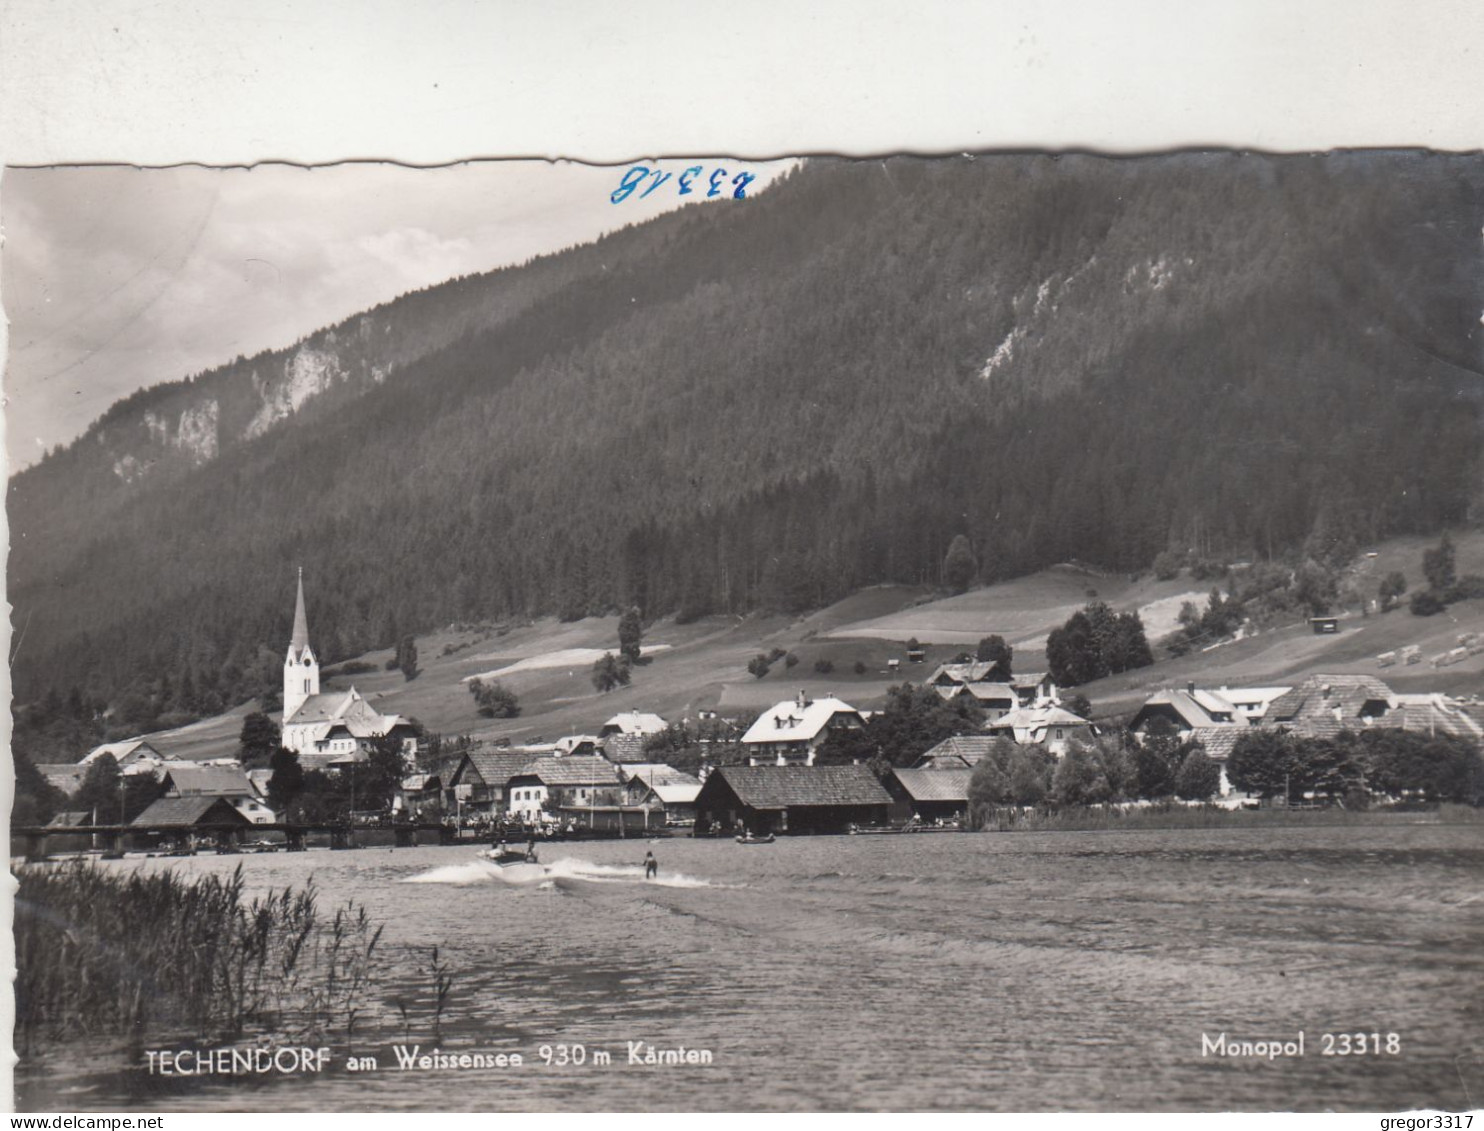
651,866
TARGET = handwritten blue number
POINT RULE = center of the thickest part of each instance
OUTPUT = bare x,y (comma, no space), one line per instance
742,180
686,177
630,182
715,181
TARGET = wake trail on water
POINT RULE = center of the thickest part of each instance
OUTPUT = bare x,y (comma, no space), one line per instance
569,868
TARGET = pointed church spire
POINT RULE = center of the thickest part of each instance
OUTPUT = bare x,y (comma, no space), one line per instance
300,639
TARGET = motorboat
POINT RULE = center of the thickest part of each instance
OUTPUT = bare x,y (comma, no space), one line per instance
507,857
748,838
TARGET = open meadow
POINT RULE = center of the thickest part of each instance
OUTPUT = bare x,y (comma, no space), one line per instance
702,666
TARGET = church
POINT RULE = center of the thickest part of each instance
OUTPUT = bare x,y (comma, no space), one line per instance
328,728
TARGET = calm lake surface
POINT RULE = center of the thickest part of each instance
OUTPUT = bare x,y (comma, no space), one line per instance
1013,971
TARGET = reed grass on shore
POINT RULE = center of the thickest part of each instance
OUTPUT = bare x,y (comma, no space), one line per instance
1212,817
98,952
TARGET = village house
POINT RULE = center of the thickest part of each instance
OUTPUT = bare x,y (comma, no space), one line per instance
1319,707
995,699
133,755
972,678
959,752
647,783
419,796
555,785
1324,705
1213,718
789,733
332,727
624,737
231,784
479,784
640,723
1047,725
1194,711
790,799
620,748
1436,713
577,744
65,776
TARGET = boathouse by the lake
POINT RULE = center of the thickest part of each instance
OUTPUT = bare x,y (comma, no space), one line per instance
791,799
176,819
929,795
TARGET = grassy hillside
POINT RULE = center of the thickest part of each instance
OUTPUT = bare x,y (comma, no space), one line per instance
1025,609
702,665
779,403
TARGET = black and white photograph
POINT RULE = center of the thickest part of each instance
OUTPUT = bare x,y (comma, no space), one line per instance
987,631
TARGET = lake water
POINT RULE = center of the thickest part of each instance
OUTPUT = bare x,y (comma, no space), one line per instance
1018,971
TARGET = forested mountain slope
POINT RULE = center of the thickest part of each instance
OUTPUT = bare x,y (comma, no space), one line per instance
771,402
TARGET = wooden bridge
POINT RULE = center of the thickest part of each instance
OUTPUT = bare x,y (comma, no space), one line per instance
229,837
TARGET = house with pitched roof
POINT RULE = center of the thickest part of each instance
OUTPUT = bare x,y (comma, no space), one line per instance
577,744
331,727
995,699
66,776
789,733
958,674
480,782
962,751
192,779
1047,725
626,748
1435,713
550,784
129,752
419,796
997,696
647,783
640,723
1192,708
1035,689
791,799
1323,705
1214,718
231,784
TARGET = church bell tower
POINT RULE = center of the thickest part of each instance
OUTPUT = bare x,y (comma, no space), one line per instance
300,668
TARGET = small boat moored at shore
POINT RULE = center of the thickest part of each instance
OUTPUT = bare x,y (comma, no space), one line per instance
748,838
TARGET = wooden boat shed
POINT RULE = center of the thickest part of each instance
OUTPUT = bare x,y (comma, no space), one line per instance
928,794
183,819
791,799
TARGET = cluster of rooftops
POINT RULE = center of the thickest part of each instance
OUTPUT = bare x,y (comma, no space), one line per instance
1321,706
612,767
